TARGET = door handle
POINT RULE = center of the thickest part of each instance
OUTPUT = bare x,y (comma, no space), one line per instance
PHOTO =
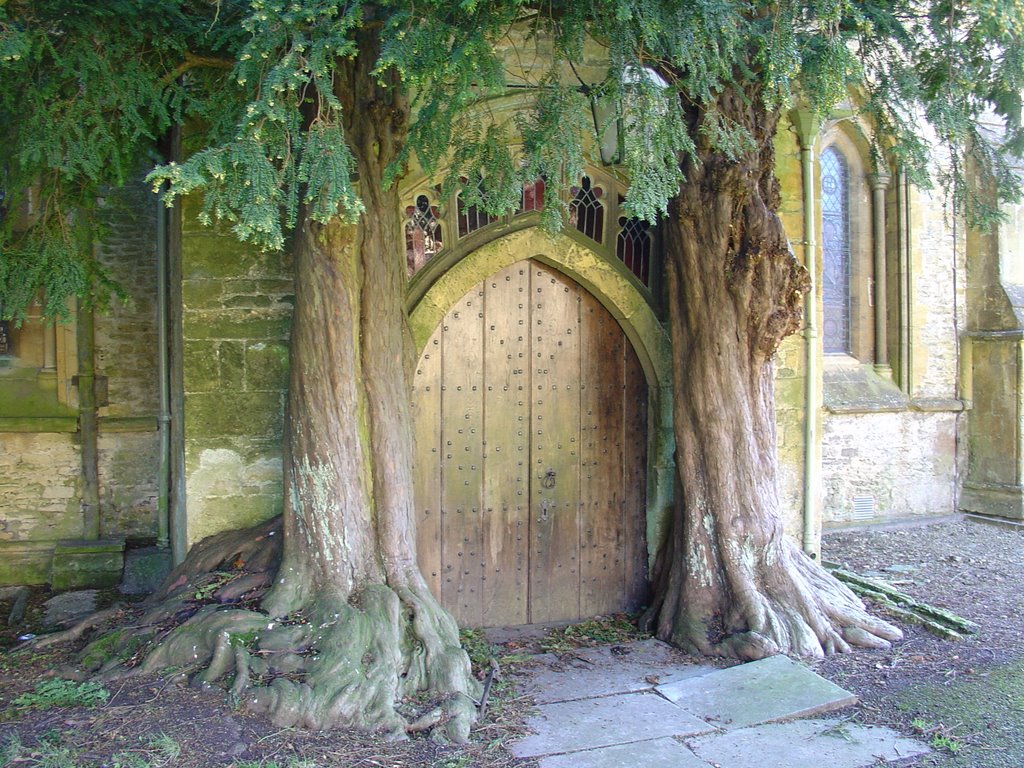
548,480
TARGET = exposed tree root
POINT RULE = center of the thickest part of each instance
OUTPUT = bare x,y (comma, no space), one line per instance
73,633
778,601
363,656
383,659
938,621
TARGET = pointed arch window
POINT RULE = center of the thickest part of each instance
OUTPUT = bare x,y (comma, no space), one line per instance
586,212
472,217
836,248
634,245
422,233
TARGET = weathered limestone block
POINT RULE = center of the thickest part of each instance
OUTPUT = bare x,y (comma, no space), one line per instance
888,465
237,314
994,484
87,563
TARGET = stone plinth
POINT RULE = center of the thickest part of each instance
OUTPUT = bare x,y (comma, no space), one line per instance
84,563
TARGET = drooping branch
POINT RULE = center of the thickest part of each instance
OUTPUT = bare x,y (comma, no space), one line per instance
196,61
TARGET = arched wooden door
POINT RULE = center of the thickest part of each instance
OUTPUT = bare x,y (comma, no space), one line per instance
531,419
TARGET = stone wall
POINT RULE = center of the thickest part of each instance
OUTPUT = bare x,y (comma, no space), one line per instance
236,316
40,458
937,290
891,453
126,353
126,337
888,465
39,496
894,451
128,464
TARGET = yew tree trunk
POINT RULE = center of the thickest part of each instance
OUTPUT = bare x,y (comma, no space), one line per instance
376,634
729,582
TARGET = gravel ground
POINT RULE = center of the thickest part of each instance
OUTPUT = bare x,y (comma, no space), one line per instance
966,696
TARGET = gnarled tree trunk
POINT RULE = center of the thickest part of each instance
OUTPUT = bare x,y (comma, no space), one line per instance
376,632
728,581
349,633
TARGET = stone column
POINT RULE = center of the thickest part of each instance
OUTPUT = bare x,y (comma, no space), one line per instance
50,348
879,183
806,124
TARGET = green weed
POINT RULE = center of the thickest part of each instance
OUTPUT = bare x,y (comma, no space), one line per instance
941,741
475,644
63,693
10,751
244,639
603,630
217,579
47,754
453,761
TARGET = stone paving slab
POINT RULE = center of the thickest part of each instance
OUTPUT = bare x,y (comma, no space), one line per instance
68,607
657,753
832,743
590,723
762,691
607,670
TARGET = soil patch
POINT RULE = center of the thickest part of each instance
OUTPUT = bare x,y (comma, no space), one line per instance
963,696
967,696
149,722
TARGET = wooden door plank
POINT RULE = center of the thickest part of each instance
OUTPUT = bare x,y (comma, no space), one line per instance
426,410
635,481
461,470
506,486
554,478
602,574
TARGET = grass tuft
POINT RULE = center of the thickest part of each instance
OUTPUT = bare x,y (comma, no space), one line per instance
63,693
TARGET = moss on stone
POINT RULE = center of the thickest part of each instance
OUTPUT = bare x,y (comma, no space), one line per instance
984,715
266,366
234,413
22,396
201,366
238,324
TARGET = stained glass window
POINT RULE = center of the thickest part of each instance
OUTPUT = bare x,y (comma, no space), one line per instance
633,247
533,197
586,213
835,247
472,217
422,233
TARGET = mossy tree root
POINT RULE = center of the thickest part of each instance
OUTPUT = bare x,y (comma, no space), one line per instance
779,602
377,658
366,656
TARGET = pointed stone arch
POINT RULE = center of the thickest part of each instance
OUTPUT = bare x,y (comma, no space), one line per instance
613,287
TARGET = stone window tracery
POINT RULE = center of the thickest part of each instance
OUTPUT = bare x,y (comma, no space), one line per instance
634,245
471,217
586,212
423,239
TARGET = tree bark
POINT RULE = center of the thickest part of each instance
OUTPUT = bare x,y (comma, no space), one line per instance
349,553
728,581
349,633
